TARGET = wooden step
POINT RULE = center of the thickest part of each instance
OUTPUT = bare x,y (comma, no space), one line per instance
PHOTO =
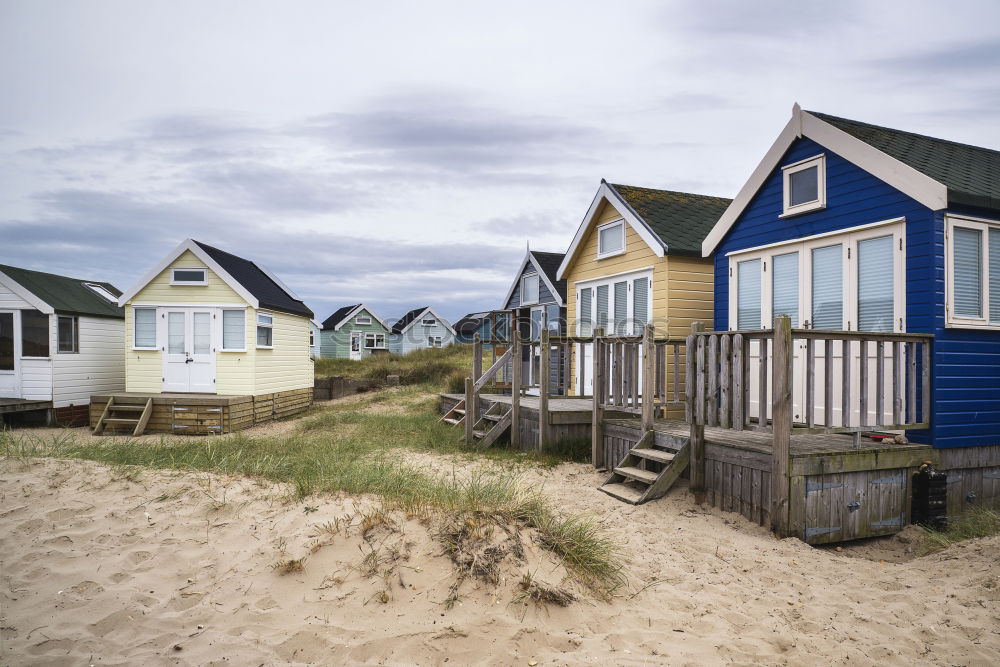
646,476
458,411
622,492
479,434
120,420
654,455
131,408
493,418
451,421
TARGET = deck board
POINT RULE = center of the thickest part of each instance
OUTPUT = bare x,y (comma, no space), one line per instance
22,405
531,402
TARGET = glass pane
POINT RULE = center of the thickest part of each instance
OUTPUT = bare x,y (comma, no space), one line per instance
189,276
640,304
612,238
803,186
67,334
264,319
175,333
602,307
34,334
6,341
234,329
586,321
968,278
994,276
875,284
748,294
355,342
202,333
264,336
530,289
536,324
553,320
785,286
621,308
145,327
828,288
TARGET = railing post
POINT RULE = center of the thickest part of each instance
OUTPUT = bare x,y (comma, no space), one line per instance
697,439
781,424
600,393
477,357
470,411
648,377
515,392
545,371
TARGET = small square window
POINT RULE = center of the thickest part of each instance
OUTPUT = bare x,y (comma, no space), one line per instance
529,288
428,321
265,331
611,239
189,276
434,341
69,334
804,185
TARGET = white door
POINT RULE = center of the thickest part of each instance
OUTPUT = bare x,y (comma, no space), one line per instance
189,356
356,340
535,323
9,356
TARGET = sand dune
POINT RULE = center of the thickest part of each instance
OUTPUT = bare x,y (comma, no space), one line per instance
102,566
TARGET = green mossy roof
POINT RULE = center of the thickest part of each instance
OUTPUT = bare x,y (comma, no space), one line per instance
681,220
66,295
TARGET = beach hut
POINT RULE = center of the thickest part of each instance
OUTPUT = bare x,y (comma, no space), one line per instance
471,324
214,343
353,332
420,328
61,339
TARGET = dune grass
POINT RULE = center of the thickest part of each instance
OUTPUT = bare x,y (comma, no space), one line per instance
976,522
445,367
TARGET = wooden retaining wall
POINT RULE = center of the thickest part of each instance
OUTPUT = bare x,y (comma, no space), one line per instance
973,477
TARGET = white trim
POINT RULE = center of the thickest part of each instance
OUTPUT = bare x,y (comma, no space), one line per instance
195,249
25,294
538,289
374,335
789,210
152,304
606,193
360,307
416,319
259,325
528,257
191,283
610,276
983,225
906,179
101,291
607,225
222,330
814,237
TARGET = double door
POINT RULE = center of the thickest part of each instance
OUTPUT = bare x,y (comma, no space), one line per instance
189,353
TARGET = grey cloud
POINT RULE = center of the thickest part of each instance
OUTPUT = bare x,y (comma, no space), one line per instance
958,58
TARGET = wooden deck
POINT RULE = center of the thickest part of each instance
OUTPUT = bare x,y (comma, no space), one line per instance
8,405
569,418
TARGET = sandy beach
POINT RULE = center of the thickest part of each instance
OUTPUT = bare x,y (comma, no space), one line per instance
114,566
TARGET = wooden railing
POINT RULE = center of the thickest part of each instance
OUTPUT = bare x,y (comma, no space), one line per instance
628,369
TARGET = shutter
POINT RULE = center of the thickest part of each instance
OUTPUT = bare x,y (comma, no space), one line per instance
748,295
994,274
640,304
621,308
968,277
828,287
602,307
875,284
586,327
785,286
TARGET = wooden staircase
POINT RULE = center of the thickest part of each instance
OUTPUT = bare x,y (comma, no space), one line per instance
455,416
139,414
488,428
648,471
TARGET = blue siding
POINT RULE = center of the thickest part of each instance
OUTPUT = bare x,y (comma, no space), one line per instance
966,363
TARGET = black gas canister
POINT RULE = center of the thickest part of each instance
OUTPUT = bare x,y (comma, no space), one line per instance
930,497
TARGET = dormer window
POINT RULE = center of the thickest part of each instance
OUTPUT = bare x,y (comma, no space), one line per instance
611,239
804,186
363,319
189,276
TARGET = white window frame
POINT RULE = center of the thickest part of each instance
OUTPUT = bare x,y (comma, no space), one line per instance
435,341
264,325
76,334
374,336
102,292
192,283
983,226
628,277
363,319
538,288
612,253
312,337
156,328
428,321
848,240
818,161
221,335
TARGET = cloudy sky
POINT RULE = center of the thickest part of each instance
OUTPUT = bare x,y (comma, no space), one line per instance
403,153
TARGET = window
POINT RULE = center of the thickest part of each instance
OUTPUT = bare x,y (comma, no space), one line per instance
529,288
973,275
434,341
6,341
265,329
804,186
234,331
428,321
785,285
875,284
189,277
69,334
828,287
611,239
620,306
748,295
101,291
585,325
312,337
144,333
376,341
34,334
363,319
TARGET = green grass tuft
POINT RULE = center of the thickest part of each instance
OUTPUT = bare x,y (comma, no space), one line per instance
434,366
976,522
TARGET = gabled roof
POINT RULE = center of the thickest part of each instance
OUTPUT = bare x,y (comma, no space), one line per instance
410,318
470,323
254,284
934,172
547,266
51,293
671,223
343,315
